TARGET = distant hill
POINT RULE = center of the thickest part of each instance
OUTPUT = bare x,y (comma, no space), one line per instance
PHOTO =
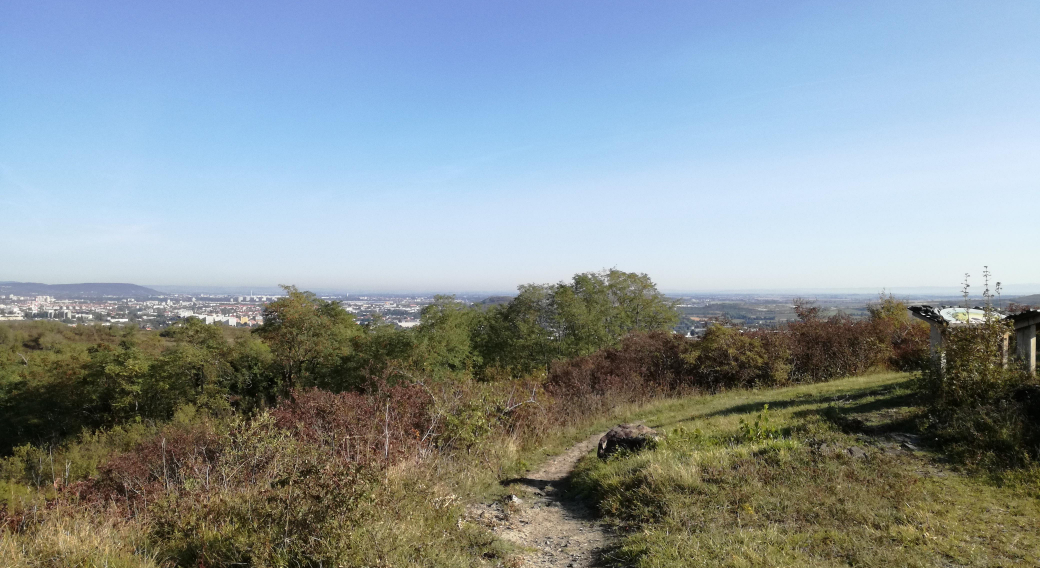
1033,300
89,290
496,300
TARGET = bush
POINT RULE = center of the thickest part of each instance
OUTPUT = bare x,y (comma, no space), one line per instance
269,500
727,358
838,346
382,427
981,408
306,484
643,365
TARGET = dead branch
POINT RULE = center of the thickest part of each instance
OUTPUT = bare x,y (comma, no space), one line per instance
530,400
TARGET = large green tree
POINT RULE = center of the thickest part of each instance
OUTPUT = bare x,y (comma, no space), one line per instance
594,310
444,337
307,335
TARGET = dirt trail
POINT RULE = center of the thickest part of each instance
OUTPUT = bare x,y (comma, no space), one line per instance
562,532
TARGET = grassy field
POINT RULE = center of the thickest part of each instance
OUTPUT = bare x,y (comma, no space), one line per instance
831,474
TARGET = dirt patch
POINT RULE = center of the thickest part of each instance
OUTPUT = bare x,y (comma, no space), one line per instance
555,531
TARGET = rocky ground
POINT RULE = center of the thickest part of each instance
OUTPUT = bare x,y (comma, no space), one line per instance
553,531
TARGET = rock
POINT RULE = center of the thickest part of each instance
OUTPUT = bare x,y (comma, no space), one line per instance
857,452
826,449
632,437
514,500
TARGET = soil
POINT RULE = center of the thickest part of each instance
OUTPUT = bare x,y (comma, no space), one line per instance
553,530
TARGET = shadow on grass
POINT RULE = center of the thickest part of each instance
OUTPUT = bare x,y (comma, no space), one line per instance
897,412
803,400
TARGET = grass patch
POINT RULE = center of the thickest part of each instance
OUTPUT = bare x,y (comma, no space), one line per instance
817,480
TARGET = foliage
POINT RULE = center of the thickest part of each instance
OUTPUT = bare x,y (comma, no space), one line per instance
444,344
980,406
381,354
908,339
546,323
759,429
838,346
307,336
727,358
318,440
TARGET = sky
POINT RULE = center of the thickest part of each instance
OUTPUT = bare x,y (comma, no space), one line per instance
460,146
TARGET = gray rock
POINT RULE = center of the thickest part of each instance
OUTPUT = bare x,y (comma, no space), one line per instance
856,452
826,449
632,437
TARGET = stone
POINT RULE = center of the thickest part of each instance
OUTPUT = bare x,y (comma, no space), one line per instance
632,437
826,449
857,452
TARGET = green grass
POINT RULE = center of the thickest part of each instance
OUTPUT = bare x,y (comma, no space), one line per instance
732,486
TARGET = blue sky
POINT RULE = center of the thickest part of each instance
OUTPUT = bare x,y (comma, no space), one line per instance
478,145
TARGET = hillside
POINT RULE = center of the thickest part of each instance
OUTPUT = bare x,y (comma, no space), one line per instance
86,290
833,474
1033,300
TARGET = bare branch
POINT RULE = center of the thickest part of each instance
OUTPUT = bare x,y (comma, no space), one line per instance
519,404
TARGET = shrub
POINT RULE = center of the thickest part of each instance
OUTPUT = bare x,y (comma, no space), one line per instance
907,339
838,346
643,365
727,358
269,500
979,406
381,427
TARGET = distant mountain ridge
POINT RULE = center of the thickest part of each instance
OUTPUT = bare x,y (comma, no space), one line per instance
86,290
1033,300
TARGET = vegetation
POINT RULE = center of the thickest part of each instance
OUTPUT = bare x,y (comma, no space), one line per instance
319,441
840,473
983,407
806,476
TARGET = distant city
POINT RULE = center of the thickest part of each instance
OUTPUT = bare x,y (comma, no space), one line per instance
163,310
147,308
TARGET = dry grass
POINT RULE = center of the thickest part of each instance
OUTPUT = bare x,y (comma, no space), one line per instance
70,539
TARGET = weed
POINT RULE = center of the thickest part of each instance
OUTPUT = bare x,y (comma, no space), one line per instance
758,430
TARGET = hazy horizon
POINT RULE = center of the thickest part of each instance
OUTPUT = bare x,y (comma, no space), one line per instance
1008,291
381,146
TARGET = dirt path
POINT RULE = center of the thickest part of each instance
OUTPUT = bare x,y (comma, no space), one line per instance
562,532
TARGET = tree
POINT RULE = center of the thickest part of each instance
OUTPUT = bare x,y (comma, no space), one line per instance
907,339
381,355
549,322
444,337
517,338
307,336
113,381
